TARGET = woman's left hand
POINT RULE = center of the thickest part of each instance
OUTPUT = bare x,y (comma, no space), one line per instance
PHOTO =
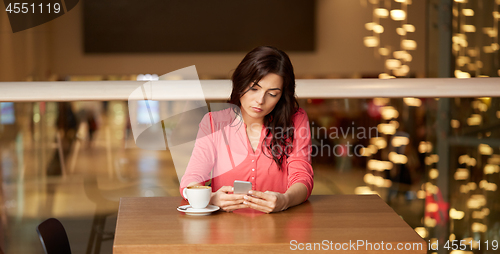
267,202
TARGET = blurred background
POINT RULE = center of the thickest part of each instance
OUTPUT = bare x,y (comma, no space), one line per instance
435,161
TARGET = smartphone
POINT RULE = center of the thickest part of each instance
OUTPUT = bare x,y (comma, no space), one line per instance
242,187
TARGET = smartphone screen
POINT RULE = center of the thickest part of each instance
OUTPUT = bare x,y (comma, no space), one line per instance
242,187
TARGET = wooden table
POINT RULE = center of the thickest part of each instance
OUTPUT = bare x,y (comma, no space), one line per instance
153,225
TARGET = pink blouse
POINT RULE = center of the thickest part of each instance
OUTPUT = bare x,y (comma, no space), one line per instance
228,145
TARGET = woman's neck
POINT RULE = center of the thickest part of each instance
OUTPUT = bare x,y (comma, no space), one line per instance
250,121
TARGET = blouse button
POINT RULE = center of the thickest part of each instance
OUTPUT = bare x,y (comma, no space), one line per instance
253,177
253,169
253,160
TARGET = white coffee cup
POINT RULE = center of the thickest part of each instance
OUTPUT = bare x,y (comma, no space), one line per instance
198,196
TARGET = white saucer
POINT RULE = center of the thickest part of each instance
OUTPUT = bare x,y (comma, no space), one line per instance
192,211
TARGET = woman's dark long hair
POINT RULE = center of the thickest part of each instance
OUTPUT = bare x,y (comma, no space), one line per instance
279,126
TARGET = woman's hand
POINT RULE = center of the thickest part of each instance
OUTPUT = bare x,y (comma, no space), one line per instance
226,201
267,202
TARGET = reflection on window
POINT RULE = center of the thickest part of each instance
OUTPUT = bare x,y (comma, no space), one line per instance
148,112
7,113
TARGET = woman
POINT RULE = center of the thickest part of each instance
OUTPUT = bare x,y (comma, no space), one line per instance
265,139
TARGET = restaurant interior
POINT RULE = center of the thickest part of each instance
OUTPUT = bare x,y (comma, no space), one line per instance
434,160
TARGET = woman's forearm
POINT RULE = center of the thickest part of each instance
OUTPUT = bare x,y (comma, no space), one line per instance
295,195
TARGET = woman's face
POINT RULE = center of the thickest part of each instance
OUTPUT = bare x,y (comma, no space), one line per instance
260,100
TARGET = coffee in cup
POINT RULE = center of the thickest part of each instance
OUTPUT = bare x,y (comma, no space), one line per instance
198,196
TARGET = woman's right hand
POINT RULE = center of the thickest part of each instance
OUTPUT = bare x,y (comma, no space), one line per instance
227,201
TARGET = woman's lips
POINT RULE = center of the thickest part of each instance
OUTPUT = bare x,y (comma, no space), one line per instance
257,109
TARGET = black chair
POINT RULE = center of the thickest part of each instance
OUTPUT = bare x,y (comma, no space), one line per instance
53,237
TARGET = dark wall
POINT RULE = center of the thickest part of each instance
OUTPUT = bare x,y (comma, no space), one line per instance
144,26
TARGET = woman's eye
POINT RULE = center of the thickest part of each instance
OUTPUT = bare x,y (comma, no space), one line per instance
273,95
253,88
